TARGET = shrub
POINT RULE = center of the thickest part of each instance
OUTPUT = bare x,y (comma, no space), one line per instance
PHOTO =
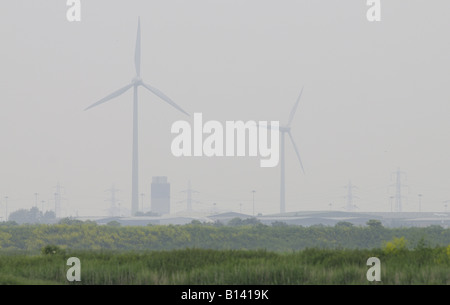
395,246
374,223
52,250
113,223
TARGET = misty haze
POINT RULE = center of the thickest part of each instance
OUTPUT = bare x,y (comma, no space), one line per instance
362,142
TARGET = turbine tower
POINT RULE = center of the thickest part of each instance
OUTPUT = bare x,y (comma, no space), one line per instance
286,129
135,84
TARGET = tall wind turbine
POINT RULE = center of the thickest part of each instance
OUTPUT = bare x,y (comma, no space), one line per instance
135,83
286,129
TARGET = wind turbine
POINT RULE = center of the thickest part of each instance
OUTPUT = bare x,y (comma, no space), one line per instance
286,129
135,84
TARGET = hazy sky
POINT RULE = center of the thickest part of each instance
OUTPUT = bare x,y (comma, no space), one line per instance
376,98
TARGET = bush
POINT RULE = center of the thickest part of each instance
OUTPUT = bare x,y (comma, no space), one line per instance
395,246
344,224
113,223
52,250
374,223
69,221
279,224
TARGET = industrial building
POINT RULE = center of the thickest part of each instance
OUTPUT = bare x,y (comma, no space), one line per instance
160,196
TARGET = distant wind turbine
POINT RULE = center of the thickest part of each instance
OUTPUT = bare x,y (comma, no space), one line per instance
286,129
135,83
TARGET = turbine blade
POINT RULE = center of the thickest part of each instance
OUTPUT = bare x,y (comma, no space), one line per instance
164,97
296,150
294,109
137,52
111,96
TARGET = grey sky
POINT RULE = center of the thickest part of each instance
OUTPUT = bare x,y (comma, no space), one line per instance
376,98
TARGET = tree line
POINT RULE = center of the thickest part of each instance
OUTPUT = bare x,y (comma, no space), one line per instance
75,234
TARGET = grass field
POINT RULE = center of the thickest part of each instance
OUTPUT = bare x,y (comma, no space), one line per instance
197,266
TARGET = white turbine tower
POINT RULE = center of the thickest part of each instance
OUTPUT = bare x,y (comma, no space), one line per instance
286,129
135,83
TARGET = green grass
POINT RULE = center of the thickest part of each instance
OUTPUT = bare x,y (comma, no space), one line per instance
226,267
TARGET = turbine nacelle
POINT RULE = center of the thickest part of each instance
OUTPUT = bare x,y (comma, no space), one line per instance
285,129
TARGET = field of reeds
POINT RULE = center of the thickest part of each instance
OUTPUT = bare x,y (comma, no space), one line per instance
226,267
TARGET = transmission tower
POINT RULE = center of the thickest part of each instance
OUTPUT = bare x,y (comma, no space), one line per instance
420,202
6,208
391,200
189,191
36,195
398,176
58,200
350,205
446,205
142,202
114,208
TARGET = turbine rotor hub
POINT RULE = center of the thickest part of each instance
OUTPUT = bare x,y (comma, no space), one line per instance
136,80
